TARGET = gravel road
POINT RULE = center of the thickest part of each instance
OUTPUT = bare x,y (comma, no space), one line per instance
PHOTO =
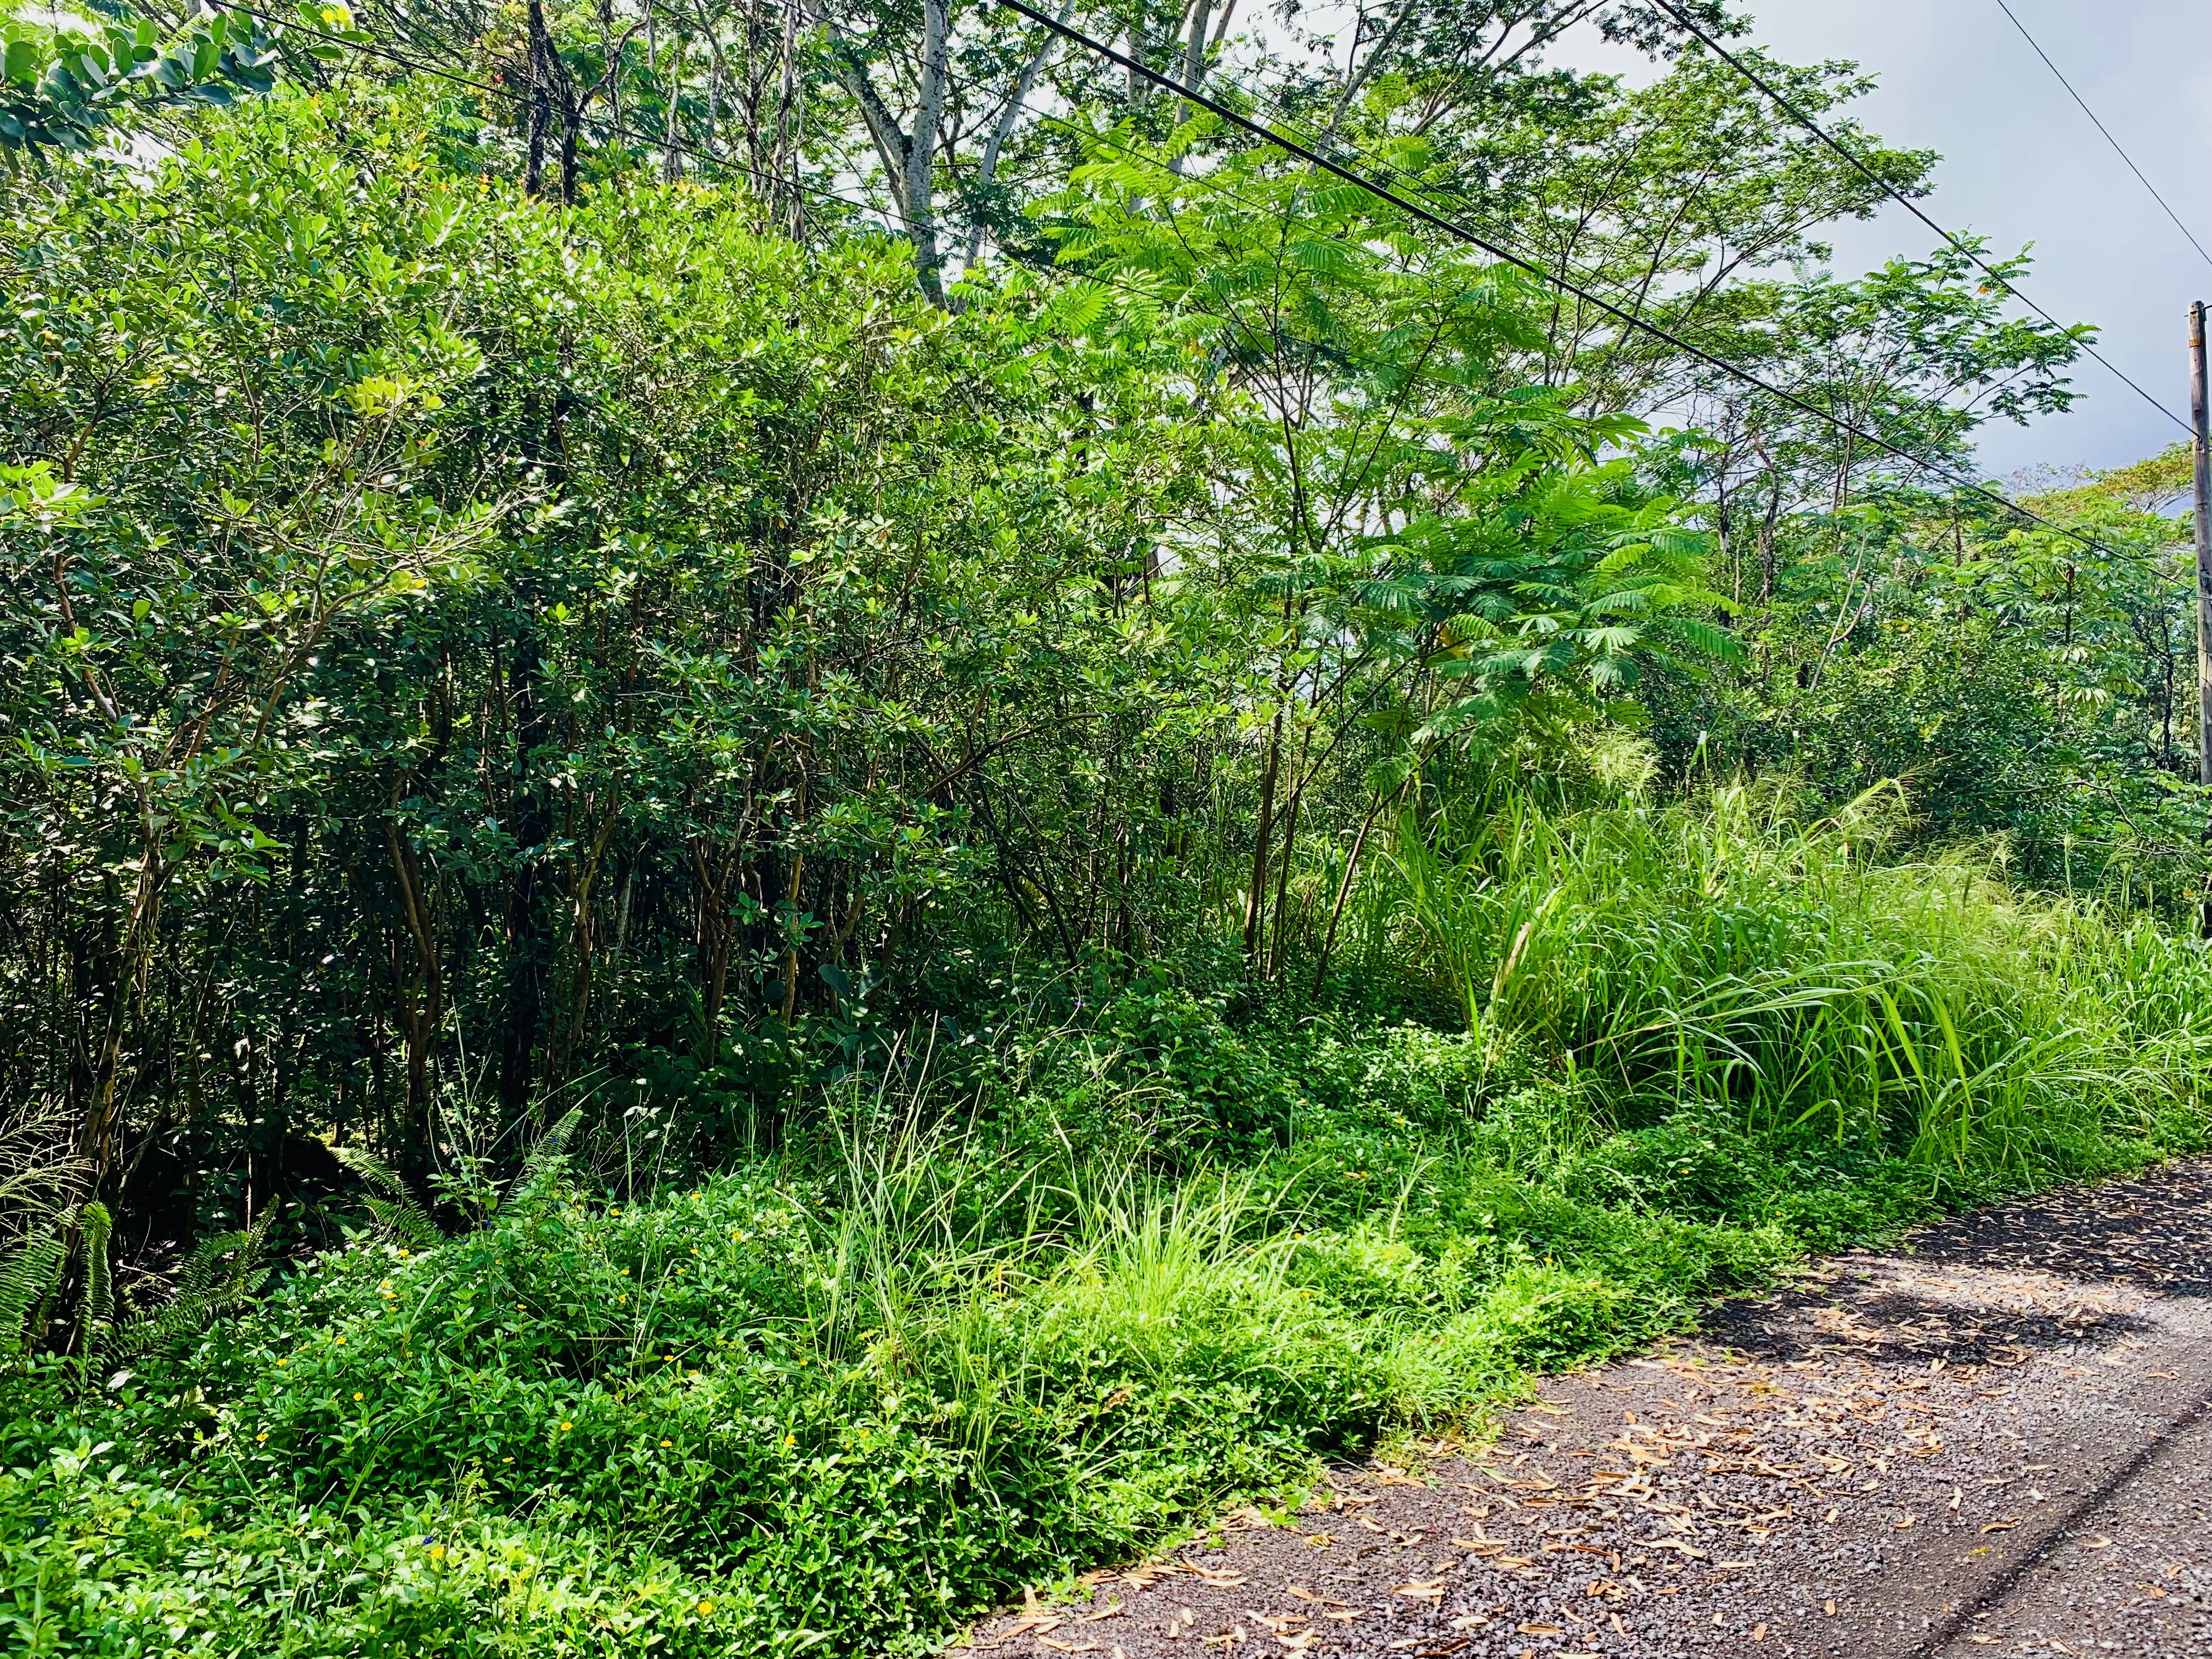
1996,1440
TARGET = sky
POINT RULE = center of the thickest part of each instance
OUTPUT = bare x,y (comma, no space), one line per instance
2023,164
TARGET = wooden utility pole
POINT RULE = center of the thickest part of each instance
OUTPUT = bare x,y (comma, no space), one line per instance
2203,427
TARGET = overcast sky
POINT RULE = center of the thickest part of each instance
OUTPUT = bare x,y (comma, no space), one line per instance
2023,164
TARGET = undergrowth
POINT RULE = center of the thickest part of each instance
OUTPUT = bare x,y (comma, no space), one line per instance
1013,1311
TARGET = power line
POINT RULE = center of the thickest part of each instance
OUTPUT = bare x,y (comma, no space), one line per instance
1292,147
1789,108
1415,186
2102,128
1289,146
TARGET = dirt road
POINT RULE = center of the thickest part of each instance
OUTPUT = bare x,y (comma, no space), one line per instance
1995,1441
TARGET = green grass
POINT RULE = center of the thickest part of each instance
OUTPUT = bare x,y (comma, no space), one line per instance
1043,1308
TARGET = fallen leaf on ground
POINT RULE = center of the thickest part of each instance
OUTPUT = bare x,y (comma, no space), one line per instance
2001,1526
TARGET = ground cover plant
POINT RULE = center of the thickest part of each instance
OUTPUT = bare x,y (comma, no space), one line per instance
1000,1318
732,914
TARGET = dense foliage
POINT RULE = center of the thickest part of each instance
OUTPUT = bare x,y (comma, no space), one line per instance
724,931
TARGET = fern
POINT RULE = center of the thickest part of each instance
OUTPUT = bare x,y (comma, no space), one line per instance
543,1157
94,1228
220,1274
396,1211
29,1279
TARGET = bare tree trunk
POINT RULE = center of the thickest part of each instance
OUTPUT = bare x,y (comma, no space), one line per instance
1767,565
671,153
1256,900
908,157
1343,892
541,101
790,112
419,1002
986,169
713,85
921,149
1194,64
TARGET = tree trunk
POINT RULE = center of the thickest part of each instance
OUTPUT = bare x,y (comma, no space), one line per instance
1256,899
541,102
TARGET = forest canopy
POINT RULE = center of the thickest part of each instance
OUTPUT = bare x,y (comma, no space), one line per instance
862,640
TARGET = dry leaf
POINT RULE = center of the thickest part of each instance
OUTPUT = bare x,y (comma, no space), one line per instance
1433,1590
2004,1525
1540,1629
2099,1542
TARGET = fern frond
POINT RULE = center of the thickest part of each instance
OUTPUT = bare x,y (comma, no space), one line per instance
221,1273
28,1279
397,1211
96,1228
543,1157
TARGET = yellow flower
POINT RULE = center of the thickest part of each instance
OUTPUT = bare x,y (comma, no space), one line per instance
357,1393
341,1342
507,1460
668,1443
705,1609
791,1440
437,1552
258,1438
566,1426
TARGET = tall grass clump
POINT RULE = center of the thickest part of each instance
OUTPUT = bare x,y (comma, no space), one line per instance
1729,953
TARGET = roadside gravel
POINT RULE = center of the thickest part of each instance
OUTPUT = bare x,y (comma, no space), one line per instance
1996,1440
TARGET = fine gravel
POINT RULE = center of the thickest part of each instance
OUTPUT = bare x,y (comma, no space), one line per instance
1996,1440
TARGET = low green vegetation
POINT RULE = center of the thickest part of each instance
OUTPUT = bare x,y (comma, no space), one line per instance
803,814
1017,1306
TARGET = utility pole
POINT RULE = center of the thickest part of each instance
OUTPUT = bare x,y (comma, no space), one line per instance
2202,426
